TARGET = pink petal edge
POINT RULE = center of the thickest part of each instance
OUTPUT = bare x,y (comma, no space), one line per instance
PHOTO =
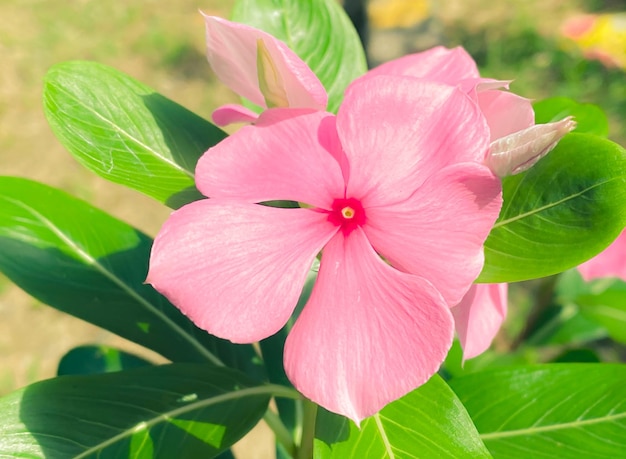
236,269
439,64
369,333
427,127
233,113
478,317
282,157
439,232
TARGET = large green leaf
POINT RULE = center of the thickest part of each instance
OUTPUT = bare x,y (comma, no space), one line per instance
589,118
563,211
319,31
607,309
565,411
427,423
183,411
86,263
125,132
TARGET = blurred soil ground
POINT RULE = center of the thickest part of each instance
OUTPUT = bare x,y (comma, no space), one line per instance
161,44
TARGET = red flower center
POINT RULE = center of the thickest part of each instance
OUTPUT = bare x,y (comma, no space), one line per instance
347,213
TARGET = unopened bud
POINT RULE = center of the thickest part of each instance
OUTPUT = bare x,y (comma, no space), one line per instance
271,82
520,151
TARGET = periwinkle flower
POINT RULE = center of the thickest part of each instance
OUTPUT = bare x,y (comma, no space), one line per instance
395,198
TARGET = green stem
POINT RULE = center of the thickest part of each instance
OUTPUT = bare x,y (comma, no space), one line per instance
308,430
280,431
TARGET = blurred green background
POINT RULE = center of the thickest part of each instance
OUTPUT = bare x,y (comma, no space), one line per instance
162,44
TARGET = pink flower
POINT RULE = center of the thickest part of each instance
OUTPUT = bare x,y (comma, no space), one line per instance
260,68
610,263
397,203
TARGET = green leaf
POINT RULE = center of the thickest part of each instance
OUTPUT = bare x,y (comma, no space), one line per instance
319,31
563,211
126,132
428,422
88,360
562,323
84,262
565,411
607,309
589,118
172,411
565,325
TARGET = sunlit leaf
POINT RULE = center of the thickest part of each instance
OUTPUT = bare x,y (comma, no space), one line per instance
126,132
319,31
84,262
428,422
563,211
565,411
589,118
182,411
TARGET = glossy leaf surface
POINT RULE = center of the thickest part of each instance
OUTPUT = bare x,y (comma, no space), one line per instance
126,132
563,211
428,422
569,411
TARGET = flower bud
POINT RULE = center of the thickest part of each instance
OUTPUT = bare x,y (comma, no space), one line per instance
520,151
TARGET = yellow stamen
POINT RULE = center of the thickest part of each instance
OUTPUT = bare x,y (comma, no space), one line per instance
347,212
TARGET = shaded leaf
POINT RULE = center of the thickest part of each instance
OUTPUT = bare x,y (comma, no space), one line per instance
272,350
607,309
563,211
569,411
428,422
84,262
319,31
88,360
172,411
125,132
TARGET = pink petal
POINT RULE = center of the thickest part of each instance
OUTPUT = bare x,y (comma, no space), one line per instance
236,269
398,131
478,317
506,112
233,113
232,52
610,263
438,233
439,64
369,333
283,156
